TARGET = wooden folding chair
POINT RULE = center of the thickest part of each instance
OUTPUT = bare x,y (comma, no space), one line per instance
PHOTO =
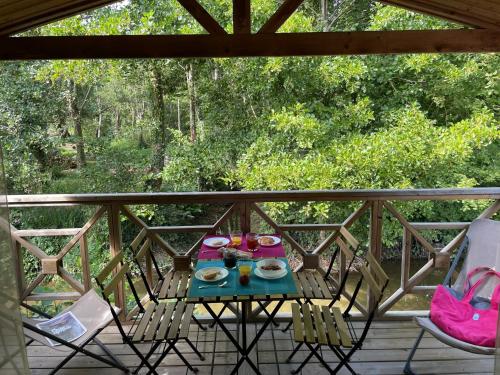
317,326
93,312
155,323
173,285
312,285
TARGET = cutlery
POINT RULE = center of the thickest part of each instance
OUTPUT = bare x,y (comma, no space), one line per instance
222,285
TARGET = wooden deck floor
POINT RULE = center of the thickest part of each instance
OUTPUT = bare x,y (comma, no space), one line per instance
384,352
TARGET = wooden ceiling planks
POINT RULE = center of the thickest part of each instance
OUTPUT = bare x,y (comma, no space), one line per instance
21,15
477,13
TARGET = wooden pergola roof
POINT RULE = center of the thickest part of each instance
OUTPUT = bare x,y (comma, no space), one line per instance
20,15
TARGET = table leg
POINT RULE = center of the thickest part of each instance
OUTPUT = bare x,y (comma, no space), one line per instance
243,350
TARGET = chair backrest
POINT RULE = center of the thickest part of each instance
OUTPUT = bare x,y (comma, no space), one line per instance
375,277
108,288
142,253
483,250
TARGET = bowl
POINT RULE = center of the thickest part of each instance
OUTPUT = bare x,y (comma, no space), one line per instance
268,265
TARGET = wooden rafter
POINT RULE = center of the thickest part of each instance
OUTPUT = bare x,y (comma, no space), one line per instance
247,45
476,13
241,17
202,16
280,16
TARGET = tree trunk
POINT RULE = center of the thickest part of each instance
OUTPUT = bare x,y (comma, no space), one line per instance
99,120
179,114
324,14
159,129
118,122
75,115
192,101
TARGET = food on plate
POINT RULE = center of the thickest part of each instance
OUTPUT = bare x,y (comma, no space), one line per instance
210,275
270,267
218,243
266,240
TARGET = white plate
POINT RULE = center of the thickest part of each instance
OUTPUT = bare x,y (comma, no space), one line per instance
222,274
277,276
276,240
216,242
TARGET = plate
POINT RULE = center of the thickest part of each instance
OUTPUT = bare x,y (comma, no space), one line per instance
276,240
277,276
222,274
216,242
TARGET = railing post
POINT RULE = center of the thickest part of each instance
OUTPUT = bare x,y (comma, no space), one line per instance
405,258
245,214
115,246
375,240
84,255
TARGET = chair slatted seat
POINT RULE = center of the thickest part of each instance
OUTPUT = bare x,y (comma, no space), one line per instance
315,325
166,320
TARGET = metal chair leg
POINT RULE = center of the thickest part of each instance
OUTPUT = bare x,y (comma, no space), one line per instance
314,351
304,362
63,362
195,349
294,352
108,352
341,355
189,366
148,355
199,324
407,370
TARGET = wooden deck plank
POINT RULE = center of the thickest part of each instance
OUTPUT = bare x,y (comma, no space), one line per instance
384,352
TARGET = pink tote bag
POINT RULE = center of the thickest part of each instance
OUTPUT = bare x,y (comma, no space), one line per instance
461,320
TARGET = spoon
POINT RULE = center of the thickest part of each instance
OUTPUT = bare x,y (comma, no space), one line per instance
222,285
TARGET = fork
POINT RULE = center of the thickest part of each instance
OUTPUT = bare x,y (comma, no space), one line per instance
222,285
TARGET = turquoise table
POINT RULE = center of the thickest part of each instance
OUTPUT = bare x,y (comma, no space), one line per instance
256,287
258,290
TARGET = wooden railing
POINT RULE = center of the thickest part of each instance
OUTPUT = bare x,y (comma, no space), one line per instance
372,203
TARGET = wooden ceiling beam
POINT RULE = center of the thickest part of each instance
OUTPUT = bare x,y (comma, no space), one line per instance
249,45
20,24
202,16
242,23
280,16
447,12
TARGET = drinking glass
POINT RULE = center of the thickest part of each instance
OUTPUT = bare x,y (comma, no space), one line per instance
236,238
252,241
229,260
245,270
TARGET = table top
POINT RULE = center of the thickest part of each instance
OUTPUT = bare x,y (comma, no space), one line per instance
257,289
276,251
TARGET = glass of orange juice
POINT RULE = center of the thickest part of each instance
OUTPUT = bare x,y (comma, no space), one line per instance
236,238
245,269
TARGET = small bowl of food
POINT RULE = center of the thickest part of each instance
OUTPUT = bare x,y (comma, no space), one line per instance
271,267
